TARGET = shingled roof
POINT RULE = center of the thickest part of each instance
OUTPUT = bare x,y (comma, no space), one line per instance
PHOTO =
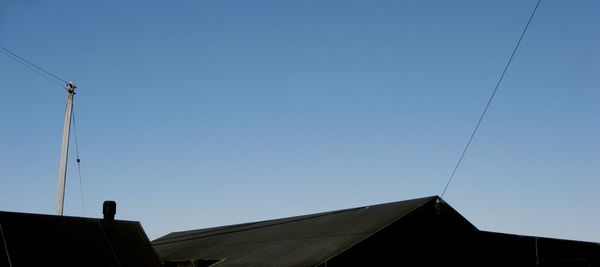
295,241
418,232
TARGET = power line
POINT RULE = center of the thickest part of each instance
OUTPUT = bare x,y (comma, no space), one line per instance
78,159
33,65
42,74
491,98
54,79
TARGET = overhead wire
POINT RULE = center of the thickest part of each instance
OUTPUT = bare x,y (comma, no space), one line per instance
55,80
78,160
491,98
32,68
34,65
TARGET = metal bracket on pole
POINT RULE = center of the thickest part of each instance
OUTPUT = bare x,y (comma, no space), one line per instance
62,176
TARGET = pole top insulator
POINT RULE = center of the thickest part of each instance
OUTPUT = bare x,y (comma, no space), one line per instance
71,87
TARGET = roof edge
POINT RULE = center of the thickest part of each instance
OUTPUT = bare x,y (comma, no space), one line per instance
542,237
58,217
165,239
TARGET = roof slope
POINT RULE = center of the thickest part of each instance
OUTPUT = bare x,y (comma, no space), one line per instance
295,241
47,240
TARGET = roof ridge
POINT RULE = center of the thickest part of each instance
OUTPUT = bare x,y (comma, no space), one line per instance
272,222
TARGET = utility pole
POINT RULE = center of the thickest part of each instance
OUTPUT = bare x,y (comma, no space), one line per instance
62,175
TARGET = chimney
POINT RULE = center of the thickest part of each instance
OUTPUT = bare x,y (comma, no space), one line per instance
109,209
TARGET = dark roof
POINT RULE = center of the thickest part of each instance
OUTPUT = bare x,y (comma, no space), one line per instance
513,250
47,240
295,241
419,232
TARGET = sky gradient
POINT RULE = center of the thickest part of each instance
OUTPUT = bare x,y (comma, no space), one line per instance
193,114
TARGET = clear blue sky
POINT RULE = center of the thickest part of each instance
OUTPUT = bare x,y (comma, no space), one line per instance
193,114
